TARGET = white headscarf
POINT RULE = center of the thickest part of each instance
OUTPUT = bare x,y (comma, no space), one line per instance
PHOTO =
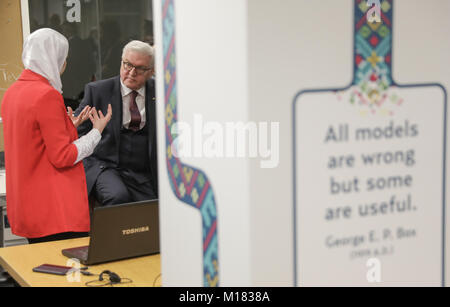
44,53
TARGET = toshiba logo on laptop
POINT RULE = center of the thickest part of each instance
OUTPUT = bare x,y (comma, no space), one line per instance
131,231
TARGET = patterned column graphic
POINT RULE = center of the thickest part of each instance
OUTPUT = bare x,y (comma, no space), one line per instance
190,185
372,58
369,171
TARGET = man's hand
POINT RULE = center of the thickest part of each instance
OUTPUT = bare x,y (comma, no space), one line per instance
99,120
78,120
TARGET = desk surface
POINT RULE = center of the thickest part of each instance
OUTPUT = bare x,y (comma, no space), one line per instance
20,260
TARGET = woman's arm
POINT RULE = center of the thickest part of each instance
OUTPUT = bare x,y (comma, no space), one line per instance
51,116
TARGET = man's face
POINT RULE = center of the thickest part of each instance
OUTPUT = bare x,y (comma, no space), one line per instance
135,69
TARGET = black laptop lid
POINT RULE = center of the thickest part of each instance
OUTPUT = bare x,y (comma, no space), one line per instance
124,231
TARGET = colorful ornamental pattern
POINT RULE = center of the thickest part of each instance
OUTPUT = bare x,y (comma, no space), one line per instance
373,61
190,185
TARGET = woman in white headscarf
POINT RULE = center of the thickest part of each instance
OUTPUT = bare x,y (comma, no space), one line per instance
45,183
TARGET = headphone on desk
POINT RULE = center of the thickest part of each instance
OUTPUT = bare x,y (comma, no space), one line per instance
113,277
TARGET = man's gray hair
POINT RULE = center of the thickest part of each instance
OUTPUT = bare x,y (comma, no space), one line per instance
140,47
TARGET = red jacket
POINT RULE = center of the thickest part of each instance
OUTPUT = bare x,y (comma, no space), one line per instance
45,193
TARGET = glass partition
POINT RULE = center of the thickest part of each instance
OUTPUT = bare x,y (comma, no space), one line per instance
97,30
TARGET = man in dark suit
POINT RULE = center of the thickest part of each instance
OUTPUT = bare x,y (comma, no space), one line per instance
123,167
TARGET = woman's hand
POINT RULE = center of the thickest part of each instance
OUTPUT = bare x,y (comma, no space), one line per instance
78,120
99,120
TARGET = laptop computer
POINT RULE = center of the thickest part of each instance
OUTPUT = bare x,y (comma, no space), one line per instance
119,232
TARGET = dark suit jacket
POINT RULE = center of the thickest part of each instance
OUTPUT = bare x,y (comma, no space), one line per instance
99,94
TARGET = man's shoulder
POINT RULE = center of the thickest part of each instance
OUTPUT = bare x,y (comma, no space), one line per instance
150,85
106,84
151,82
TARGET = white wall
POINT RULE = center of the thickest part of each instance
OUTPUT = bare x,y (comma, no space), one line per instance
291,47
246,61
212,82
422,55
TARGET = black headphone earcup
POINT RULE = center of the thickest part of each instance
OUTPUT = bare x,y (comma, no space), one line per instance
114,278
100,278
